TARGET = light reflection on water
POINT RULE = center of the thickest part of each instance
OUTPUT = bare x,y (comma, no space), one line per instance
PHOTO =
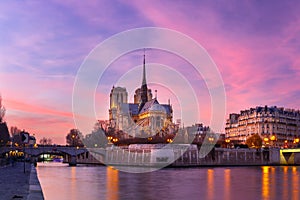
112,185
210,183
295,182
265,182
94,182
227,183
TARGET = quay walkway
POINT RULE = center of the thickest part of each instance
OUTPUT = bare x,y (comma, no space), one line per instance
15,184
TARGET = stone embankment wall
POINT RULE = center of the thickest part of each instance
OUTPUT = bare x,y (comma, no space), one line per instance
35,189
223,157
192,157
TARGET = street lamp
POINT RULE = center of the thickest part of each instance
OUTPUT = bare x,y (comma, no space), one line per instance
296,142
211,139
115,140
109,138
227,142
169,140
273,138
266,141
73,140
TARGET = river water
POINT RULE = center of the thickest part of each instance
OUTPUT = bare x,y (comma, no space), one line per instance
59,181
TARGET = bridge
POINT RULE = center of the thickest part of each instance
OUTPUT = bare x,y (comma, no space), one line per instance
290,156
71,155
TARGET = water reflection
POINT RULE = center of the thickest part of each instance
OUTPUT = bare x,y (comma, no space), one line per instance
265,183
273,183
227,184
86,182
280,180
112,184
295,183
210,183
285,180
73,181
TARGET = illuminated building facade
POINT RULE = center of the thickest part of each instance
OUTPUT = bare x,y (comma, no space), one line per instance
145,116
276,126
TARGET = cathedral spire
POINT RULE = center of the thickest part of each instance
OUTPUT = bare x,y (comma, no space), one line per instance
144,88
144,70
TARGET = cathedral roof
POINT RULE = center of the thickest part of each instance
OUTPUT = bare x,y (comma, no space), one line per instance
131,108
148,105
134,108
167,108
157,107
153,105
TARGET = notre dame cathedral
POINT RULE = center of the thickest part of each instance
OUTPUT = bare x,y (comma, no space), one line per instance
146,116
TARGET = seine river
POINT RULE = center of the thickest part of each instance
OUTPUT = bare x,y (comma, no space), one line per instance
59,181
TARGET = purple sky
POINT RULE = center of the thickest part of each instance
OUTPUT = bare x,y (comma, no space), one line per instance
255,44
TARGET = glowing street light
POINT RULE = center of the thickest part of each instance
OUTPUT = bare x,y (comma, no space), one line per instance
169,140
211,139
273,138
109,138
73,139
115,140
227,142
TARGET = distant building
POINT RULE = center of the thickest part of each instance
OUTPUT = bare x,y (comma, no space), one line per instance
16,138
196,133
145,116
276,126
32,141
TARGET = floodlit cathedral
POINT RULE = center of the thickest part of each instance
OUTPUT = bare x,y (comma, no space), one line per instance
145,116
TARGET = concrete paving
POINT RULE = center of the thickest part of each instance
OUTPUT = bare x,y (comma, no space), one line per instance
14,183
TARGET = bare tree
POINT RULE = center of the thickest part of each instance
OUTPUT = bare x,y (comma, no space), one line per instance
46,141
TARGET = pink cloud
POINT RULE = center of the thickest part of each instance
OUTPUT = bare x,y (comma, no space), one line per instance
37,104
245,61
259,63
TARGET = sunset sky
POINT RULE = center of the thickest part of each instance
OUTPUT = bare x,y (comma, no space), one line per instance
255,45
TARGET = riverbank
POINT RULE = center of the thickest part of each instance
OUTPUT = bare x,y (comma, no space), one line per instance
15,184
181,155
